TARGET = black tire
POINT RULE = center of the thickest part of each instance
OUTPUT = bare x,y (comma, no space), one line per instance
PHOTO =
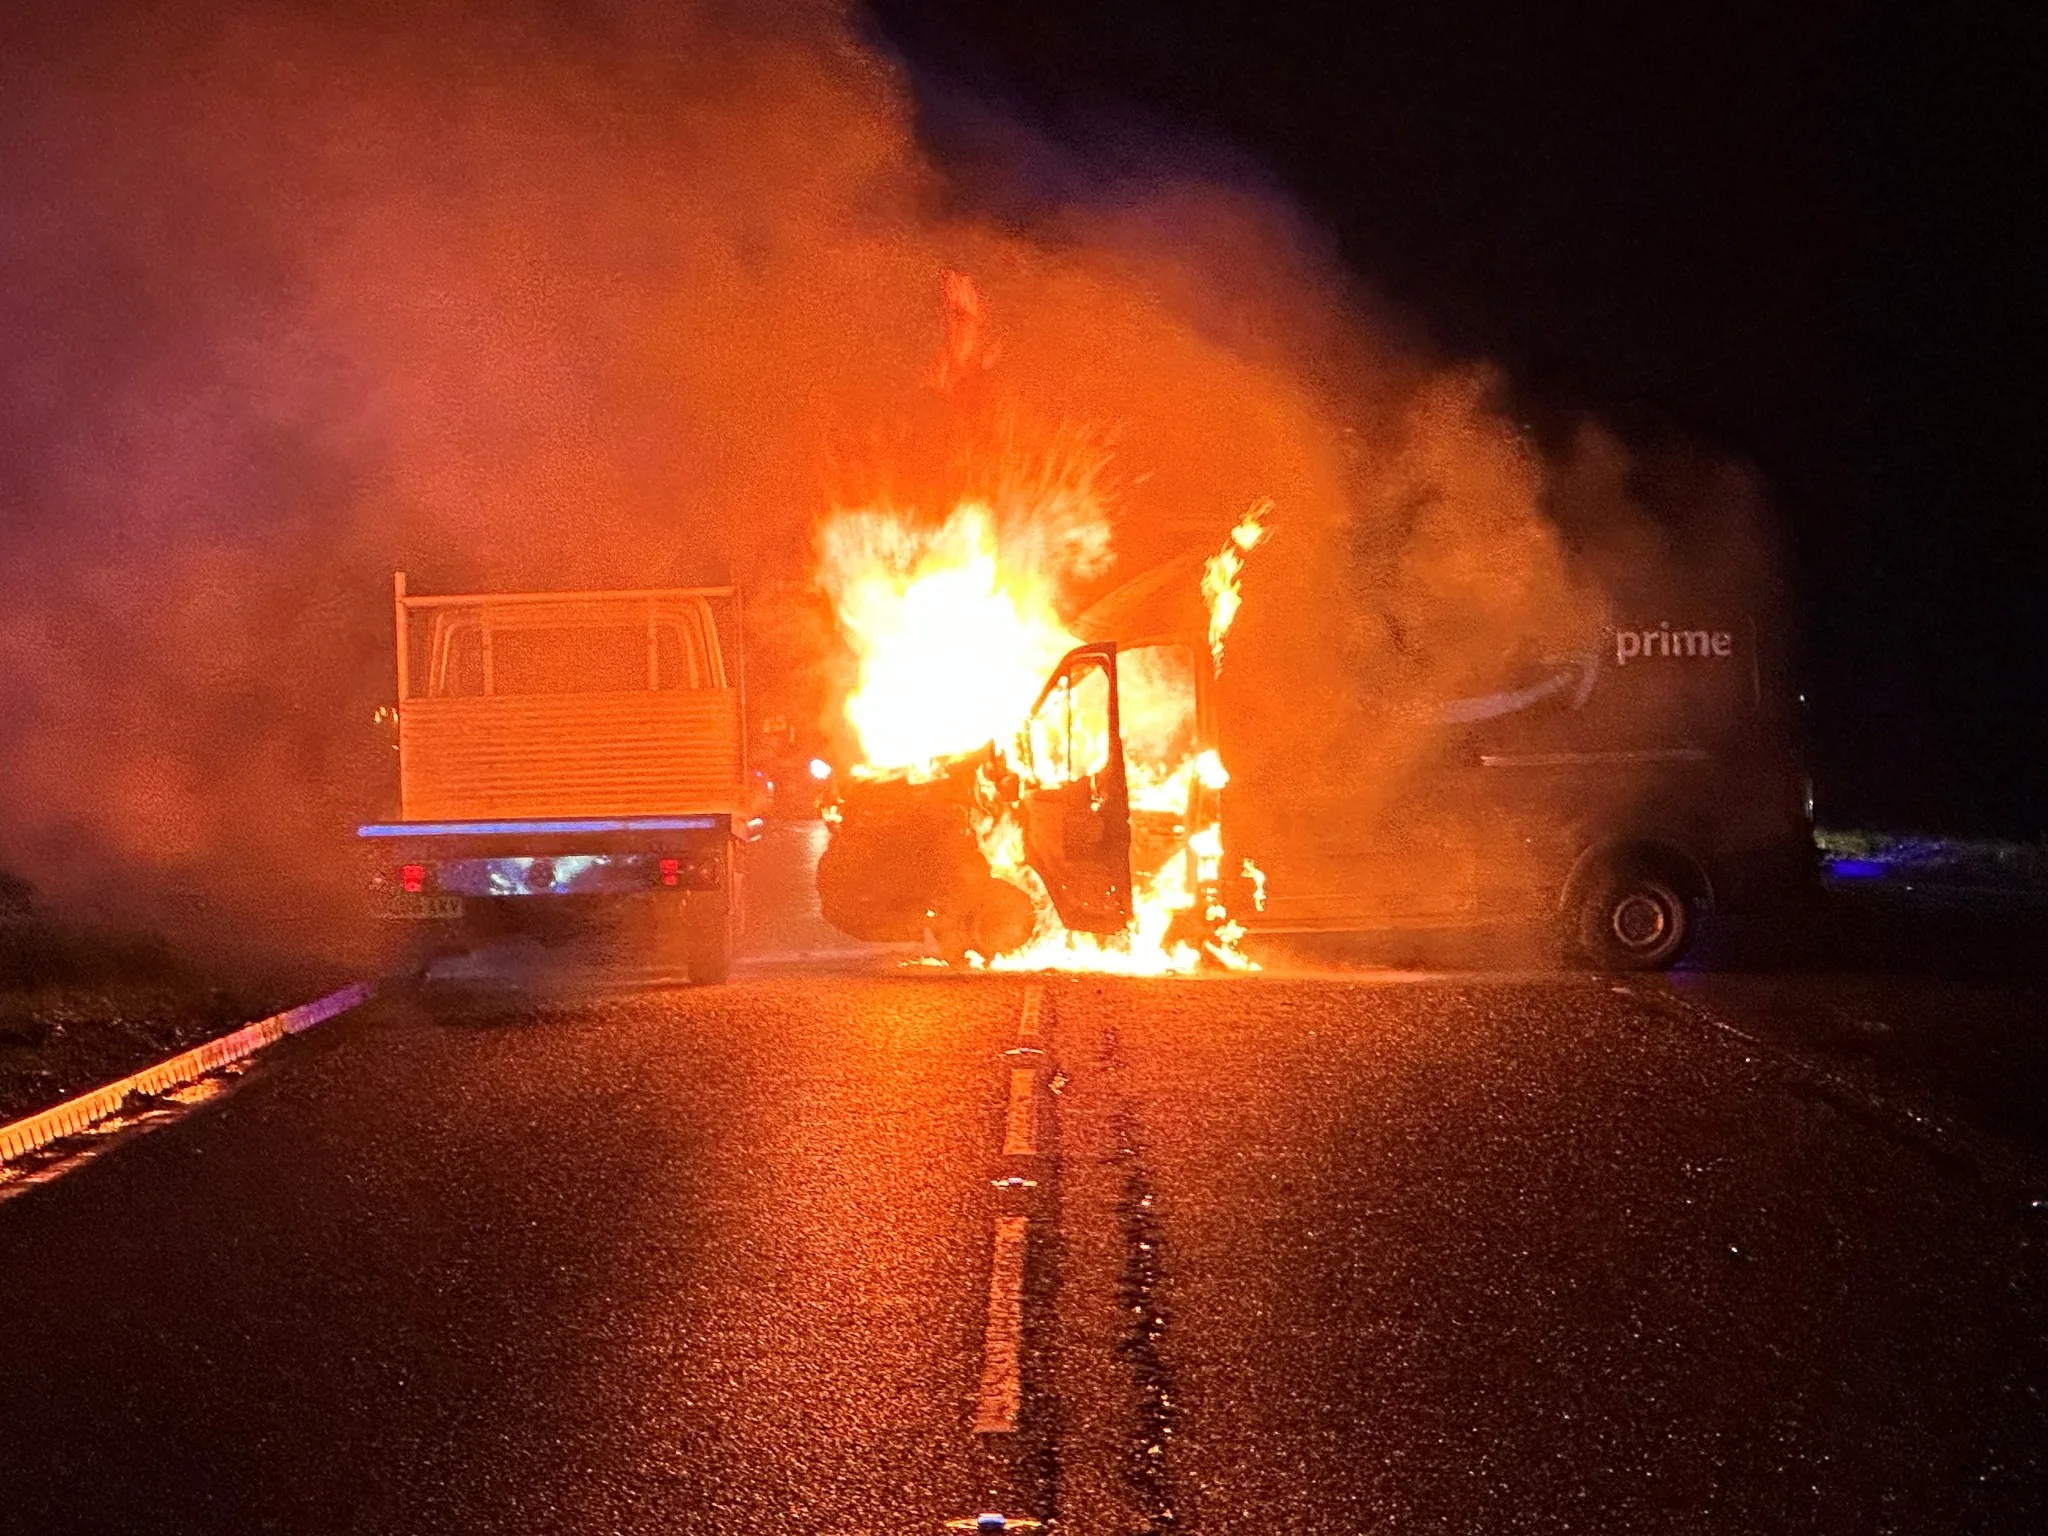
863,894
709,954
1004,919
990,917
1633,919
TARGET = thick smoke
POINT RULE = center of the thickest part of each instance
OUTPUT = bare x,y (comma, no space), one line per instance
515,298
292,300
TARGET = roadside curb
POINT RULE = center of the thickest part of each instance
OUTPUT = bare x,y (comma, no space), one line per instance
75,1115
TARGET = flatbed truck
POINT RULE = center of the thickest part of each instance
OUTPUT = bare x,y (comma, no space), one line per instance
567,761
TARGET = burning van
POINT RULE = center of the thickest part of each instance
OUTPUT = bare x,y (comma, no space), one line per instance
1616,792
955,844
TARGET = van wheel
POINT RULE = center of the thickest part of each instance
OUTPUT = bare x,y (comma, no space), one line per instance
1634,920
991,918
1004,919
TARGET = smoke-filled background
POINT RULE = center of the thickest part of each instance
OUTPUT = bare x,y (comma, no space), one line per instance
291,296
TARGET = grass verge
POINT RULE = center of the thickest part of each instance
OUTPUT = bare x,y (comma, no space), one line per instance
81,1006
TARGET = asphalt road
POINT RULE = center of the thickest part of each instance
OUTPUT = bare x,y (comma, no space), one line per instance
1327,1251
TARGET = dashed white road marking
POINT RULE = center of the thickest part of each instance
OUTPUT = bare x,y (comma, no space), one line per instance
1020,1130
1034,1001
1002,1388
1002,1382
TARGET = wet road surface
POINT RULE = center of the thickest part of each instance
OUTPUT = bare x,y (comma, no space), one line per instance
1314,1253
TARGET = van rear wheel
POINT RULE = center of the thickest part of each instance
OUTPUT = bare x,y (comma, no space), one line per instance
1634,920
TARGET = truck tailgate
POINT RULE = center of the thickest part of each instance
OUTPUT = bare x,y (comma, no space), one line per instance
570,755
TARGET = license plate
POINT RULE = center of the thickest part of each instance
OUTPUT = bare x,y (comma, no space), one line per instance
412,908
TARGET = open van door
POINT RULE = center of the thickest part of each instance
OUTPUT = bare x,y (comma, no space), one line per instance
1076,803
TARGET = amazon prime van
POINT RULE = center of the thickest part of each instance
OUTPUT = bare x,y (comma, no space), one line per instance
1617,792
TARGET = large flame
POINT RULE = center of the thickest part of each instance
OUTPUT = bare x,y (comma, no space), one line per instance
954,623
954,632
1220,577
951,642
1176,786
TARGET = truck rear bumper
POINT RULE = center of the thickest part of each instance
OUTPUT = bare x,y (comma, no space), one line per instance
442,870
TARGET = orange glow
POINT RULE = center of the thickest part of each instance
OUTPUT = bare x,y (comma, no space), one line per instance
953,642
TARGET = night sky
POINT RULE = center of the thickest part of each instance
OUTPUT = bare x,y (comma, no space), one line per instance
1804,236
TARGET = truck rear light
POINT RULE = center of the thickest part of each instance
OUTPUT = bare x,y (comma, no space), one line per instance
704,872
412,878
